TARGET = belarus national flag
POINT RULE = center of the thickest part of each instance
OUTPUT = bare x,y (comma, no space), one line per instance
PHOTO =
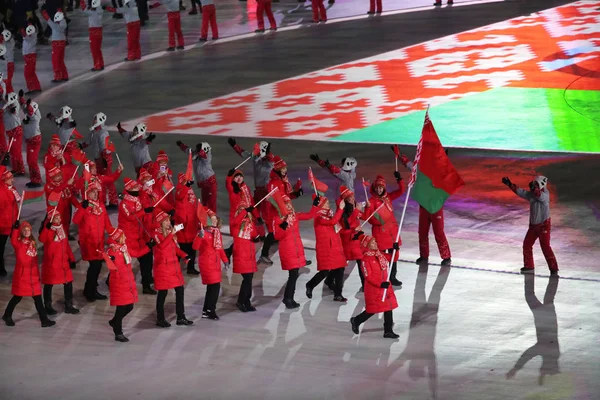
276,200
53,199
434,178
33,196
319,186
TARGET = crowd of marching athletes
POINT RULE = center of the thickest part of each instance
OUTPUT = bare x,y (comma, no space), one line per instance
22,28
161,222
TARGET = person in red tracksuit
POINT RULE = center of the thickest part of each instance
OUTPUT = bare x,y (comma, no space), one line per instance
385,228
132,19
186,204
278,178
9,204
262,7
59,42
318,11
330,252
161,172
374,7
26,278
93,222
426,219
30,57
14,132
167,272
174,18
94,14
243,230
209,15
209,244
58,257
56,183
350,222
123,292
54,157
286,230
139,243
375,269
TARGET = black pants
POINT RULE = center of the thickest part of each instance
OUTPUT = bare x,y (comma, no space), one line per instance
142,6
37,300
91,279
189,250
246,289
68,291
194,2
329,279
160,303
290,286
337,277
229,251
117,321
212,295
3,239
146,268
388,319
269,240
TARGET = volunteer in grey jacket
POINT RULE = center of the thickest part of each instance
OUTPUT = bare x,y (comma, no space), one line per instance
67,131
30,58
14,132
203,173
129,9
138,142
346,174
9,43
538,197
59,42
33,139
174,19
94,14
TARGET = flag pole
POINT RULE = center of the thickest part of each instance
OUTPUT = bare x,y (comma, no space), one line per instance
243,162
312,178
162,198
370,216
21,204
67,143
268,195
118,159
12,139
397,239
396,158
365,188
142,225
75,173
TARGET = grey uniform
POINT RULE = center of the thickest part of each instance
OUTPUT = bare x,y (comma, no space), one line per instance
203,167
65,131
32,128
262,169
139,150
96,141
539,207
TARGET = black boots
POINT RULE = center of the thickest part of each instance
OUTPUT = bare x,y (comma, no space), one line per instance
446,262
121,338
184,321
48,300
210,314
388,331
162,323
69,309
290,304
354,324
8,320
309,290
147,289
393,280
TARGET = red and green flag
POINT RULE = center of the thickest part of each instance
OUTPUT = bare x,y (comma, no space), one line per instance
109,263
383,214
433,178
319,186
53,199
87,176
109,145
78,157
189,171
203,215
167,186
256,150
276,200
33,196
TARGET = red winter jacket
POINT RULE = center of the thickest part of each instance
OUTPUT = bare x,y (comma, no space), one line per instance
158,189
236,198
284,187
291,249
102,179
186,204
9,207
93,222
209,258
131,217
384,234
121,281
352,249
330,252
244,252
26,278
57,256
64,204
148,198
375,269
167,271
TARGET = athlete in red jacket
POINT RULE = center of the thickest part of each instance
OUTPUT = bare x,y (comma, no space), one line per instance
186,204
385,226
58,185
93,222
56,263
131,221
26,278
243,230
149,198
375,269
209,244
9,204
238,191
330,252
286,230
167,272
123,292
